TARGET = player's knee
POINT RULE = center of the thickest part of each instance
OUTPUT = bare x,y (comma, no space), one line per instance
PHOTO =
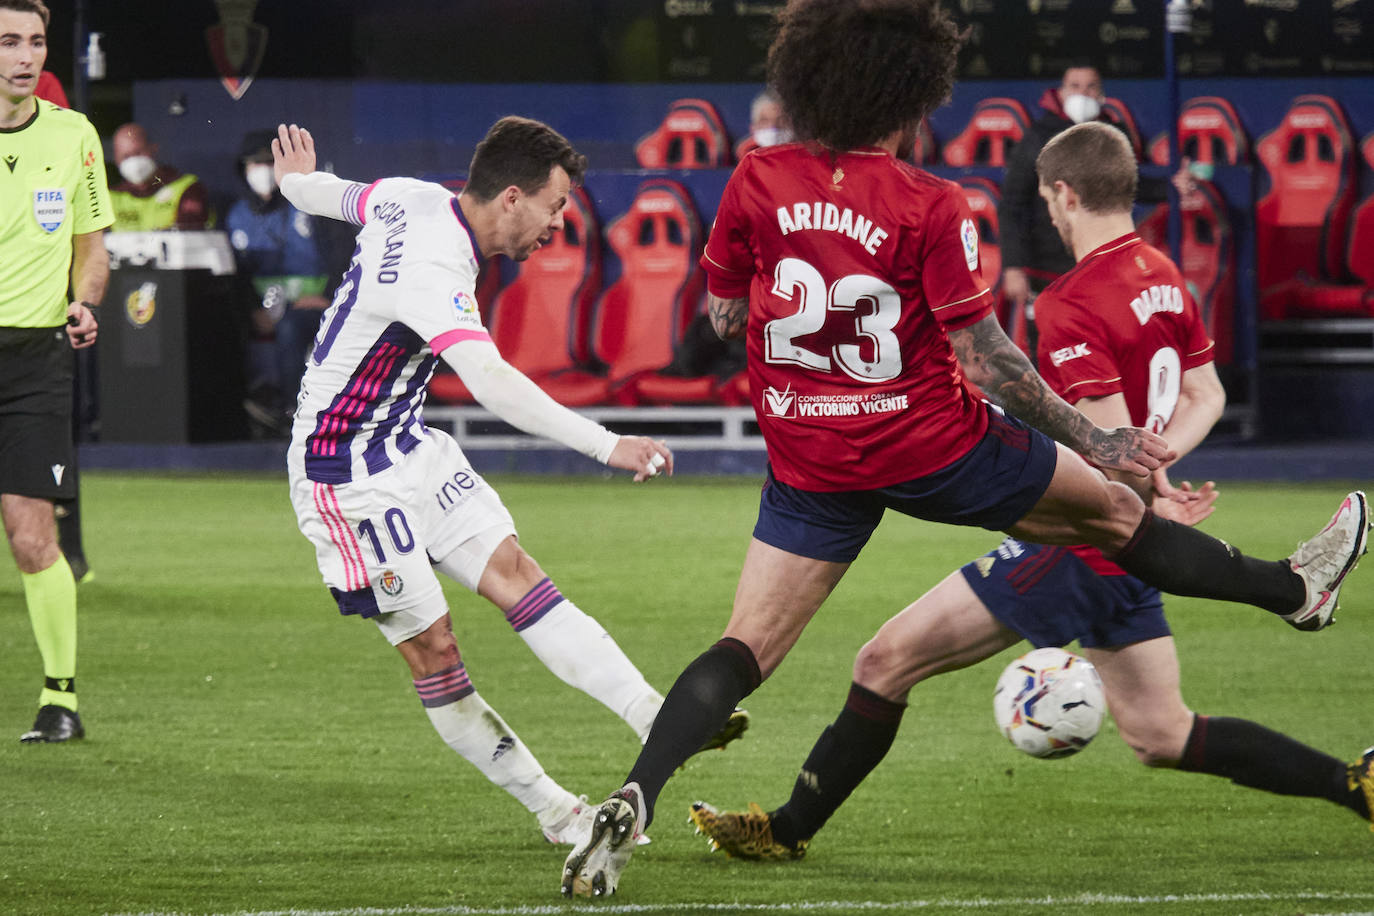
879,665
1117,518
33,551
515,568
432,651
1127,509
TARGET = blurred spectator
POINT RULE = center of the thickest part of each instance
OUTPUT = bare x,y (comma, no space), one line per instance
767,127
154,195
292,268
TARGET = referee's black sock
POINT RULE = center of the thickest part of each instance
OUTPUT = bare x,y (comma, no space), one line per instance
1251,755
1181,560
69,527
842,757
700,702
68,513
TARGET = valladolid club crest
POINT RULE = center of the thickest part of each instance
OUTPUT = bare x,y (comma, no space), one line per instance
236,45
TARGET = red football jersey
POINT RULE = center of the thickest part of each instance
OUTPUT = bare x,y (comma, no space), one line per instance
1122,321
854,264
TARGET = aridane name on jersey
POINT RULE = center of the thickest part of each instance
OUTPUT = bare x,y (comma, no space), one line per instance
828,217
409,292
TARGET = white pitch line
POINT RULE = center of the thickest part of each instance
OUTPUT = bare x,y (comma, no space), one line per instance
820,906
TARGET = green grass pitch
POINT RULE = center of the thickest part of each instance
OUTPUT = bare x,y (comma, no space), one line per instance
249,751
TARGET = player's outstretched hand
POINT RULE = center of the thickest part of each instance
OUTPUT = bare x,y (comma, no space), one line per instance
1182,503
646,457
292,151
1130,449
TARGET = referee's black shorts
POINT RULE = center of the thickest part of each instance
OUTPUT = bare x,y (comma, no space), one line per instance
36,448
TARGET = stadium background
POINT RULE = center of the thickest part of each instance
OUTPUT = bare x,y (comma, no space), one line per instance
407,88
250,753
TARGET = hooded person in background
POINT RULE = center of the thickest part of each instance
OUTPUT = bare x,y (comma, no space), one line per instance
1033,255
154,195
293,268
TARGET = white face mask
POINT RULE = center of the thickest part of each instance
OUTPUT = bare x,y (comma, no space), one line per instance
260,179
1080,108
137,169
771,136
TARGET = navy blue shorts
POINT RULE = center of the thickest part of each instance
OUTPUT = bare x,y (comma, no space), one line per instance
994,486
1051,597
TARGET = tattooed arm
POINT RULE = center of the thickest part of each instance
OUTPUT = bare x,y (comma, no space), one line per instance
728,316
995,364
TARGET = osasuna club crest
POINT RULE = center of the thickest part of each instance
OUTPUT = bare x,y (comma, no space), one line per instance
50,208
236,45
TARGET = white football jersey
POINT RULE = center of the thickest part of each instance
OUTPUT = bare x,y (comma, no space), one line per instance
409,293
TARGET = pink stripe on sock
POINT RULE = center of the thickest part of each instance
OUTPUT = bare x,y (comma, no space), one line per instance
537,602
444,687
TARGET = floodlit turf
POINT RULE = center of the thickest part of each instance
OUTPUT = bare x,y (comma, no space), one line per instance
250,751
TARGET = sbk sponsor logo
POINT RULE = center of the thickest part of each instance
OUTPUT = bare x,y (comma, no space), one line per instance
1064,354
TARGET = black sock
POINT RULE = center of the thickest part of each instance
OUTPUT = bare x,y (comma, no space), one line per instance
1180,560
702,699
1251,755
68,512
842,757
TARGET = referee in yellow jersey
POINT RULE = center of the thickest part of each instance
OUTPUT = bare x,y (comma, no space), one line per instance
54,208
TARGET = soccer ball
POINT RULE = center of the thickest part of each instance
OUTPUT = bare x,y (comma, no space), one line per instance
1049,703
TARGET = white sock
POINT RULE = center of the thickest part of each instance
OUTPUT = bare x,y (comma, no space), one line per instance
481,737
580,651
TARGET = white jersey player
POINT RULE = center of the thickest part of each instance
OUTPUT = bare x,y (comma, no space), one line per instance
387,501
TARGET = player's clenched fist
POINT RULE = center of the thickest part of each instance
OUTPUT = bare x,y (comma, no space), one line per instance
644,456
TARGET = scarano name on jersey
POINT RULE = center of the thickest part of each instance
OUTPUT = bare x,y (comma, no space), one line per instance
393,216
829,218
1157,299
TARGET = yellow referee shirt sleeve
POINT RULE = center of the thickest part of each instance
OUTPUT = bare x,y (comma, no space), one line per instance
92,208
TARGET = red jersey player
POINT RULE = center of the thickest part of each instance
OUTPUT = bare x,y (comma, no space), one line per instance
854,278
1122,339
1121,325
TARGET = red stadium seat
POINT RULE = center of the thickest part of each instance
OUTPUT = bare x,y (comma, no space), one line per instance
1302,221
1209,131
1115,111
1360,257
997,124
640,319
692,136
1208,260
547,303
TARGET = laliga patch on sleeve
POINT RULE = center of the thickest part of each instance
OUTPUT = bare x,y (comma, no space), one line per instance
968,234
465,307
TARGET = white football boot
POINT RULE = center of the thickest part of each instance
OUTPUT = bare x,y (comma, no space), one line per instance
573,828
593,869
1324,561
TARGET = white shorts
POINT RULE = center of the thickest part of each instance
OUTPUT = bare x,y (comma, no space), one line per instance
375,539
